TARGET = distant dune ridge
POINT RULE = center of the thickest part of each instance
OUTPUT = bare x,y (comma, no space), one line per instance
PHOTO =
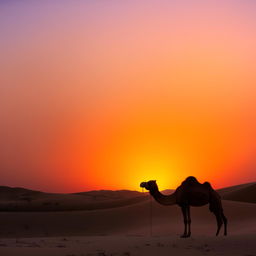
242,193
20,199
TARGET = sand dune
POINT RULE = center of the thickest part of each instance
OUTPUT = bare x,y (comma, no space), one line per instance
19,199
243,193
225,190
132,219
124,230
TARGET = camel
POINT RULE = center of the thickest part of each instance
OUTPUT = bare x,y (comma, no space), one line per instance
190,193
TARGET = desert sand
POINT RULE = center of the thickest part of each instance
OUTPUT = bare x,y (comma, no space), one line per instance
124,229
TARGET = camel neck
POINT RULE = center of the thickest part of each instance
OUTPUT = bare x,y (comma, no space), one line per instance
163,199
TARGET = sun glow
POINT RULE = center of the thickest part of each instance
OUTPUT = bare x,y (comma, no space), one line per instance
146,165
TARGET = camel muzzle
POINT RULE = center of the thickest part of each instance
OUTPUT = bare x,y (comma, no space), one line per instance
143,184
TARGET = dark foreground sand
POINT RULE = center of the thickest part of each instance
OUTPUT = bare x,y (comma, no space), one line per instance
130,245
126,231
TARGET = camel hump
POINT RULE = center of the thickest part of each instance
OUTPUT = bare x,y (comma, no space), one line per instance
190,180
207,184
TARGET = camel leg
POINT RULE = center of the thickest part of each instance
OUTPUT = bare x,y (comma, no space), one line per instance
189,221
184,212
225,223
219,221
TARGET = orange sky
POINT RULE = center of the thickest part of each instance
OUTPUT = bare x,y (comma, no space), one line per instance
106,94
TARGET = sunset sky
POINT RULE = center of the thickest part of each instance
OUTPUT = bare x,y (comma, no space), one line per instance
106,94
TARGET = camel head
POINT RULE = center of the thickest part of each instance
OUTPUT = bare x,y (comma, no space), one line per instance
150,185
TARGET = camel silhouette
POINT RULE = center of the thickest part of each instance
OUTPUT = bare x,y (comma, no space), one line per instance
190,193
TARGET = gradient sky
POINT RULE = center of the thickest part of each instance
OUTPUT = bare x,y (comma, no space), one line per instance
105,94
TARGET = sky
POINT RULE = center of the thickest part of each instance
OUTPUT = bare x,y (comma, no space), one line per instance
106,94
